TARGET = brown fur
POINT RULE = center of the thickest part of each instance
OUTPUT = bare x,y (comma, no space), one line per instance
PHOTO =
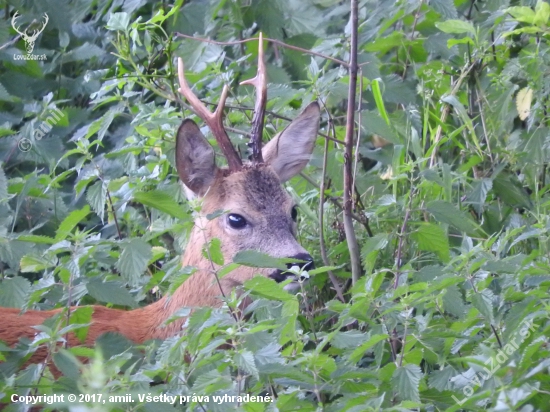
254,192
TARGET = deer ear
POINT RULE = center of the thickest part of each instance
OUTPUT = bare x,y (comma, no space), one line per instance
194,158
289,152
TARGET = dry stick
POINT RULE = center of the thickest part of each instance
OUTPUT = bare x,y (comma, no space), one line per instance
353,247
274,41
445,112
324,256
356,159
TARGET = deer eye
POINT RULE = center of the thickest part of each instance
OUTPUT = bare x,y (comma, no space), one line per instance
294,213
236,221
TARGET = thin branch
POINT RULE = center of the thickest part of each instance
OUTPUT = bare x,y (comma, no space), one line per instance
353,247
401,239
274,41
322,245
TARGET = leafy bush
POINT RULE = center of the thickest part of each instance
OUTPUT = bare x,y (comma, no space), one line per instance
451,311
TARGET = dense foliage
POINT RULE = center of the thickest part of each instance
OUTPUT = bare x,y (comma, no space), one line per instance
451,311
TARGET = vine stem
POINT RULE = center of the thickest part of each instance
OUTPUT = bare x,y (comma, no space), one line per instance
351,238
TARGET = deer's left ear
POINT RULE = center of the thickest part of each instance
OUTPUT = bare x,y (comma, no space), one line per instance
289,152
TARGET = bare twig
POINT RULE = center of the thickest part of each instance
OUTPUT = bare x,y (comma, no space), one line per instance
353,247
274,41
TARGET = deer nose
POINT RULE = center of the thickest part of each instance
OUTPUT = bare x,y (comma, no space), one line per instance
305,264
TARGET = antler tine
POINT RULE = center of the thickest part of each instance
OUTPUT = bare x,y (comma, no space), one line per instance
260,83
13,19
213,120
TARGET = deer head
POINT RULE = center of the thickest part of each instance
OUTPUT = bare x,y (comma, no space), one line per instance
260,215
29,38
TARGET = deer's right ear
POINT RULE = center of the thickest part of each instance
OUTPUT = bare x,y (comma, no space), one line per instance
194,158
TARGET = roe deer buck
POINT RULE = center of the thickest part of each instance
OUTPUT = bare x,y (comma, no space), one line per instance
260,215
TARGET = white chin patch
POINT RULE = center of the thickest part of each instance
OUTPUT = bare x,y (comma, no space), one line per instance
292,286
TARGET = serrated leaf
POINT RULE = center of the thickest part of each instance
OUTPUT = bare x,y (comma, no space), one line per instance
446,212
453,302
446,8
478,194
14,292
73,219
110,292
96,195
441,379
432,238
455,26
483,301
133,260
161,201
405,381
523,102
245,361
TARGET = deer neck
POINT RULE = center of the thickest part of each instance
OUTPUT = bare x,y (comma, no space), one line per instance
200,290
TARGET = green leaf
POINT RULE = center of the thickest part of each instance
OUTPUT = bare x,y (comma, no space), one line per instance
96,195
358,353
161,201
478,194
446,8
370,250
510,190
213,251
245,361
14,292
33,263
375,85
110,292
483,301
268,288
257,259
70,222
453,302
446,212
456,27
542,13
523,14
133,260
405,381
432,238
118,21
81,315
37,239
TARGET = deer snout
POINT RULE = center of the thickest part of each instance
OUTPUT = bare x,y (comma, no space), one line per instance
305,261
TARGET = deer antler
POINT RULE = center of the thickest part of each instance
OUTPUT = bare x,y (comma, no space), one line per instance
260,83
38,31
213,120
13,19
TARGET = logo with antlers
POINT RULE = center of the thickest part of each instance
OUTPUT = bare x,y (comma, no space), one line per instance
29,38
